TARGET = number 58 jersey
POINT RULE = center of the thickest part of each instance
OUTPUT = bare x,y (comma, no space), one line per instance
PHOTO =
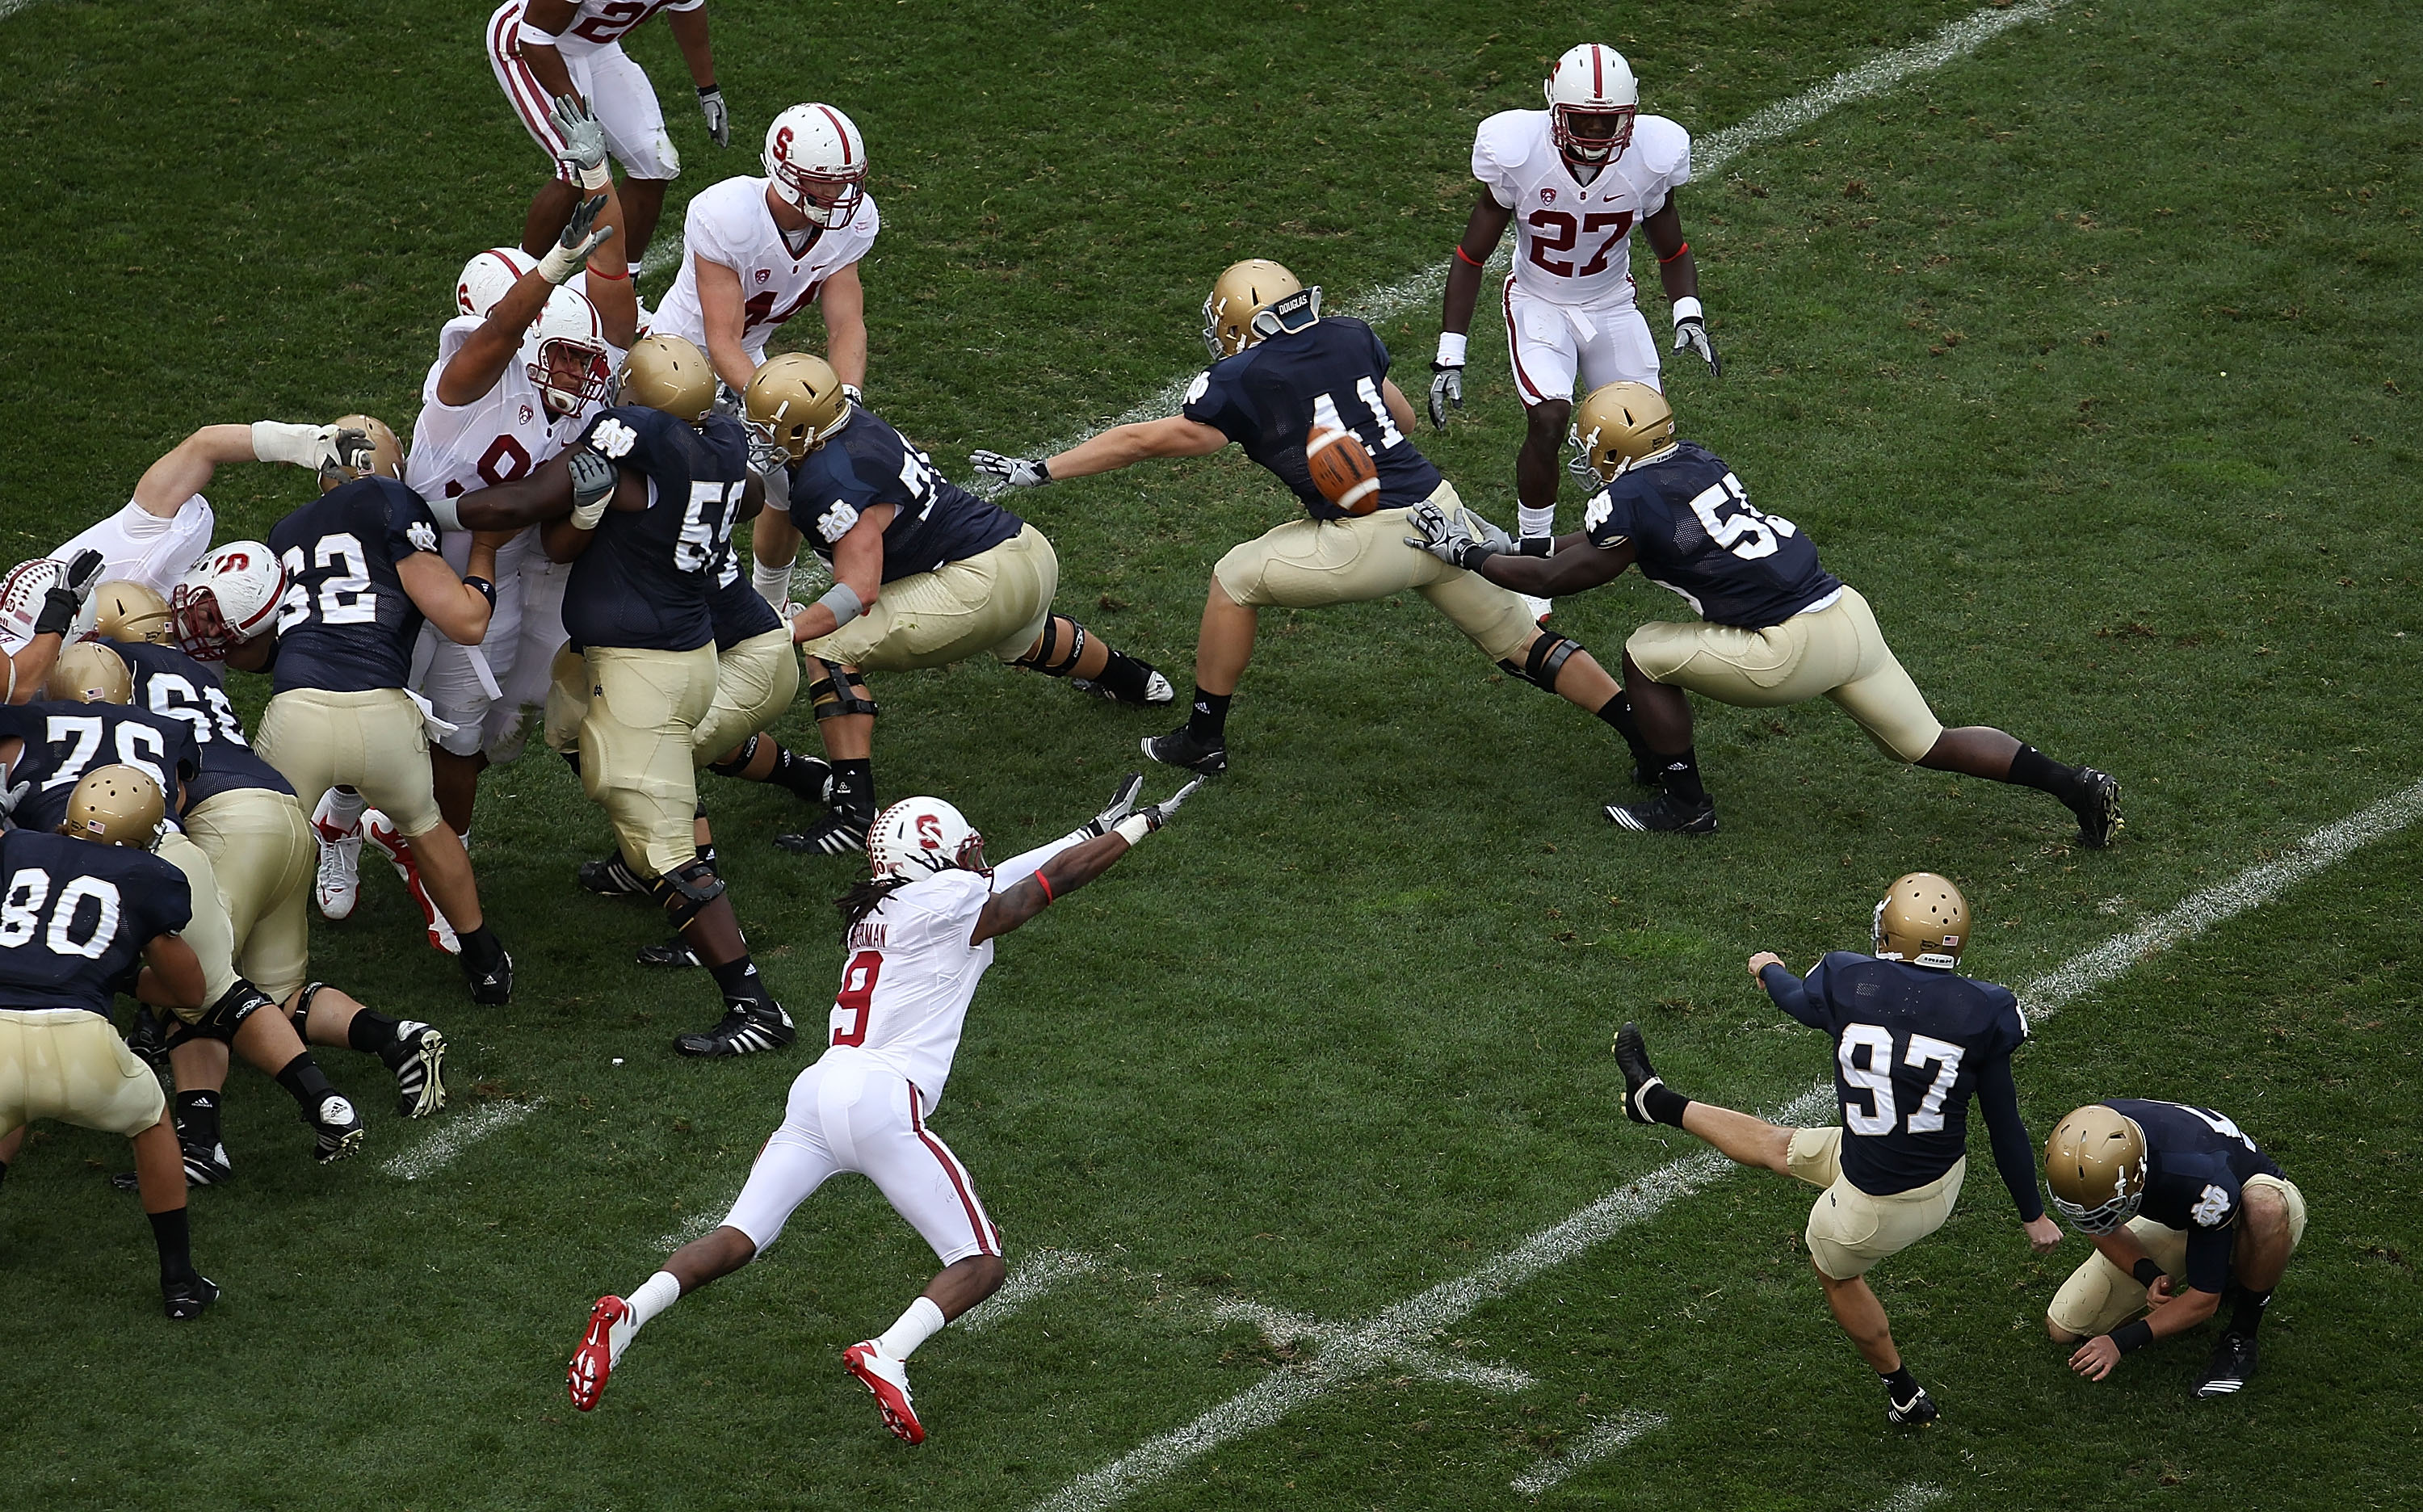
911,975
1696,534
1572,243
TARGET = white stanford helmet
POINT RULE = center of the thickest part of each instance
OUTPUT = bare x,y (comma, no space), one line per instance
568,327
227,599
486,278
27,589
918,837
813,148
1592,80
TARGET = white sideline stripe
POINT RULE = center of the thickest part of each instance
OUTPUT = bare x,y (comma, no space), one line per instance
1354,1348
1912,1498
1037,1273
1708,158
1284,1328
698,1225
456,1135
1606,1437
664,248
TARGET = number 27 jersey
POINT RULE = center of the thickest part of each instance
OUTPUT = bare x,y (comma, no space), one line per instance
910,976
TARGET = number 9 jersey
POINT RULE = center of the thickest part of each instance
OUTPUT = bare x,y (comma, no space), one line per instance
1696,534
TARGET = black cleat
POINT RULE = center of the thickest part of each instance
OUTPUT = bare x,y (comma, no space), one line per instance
2232,1361
835,835
1665,814
2098,809
745,1029
610,876
675,954
186,1298
148,1039
340,1129
418,1057
1632,1058
206,1165
1180,747
493,986
1917,1412
1158,693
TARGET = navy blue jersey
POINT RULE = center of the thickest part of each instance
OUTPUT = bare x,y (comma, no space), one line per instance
1267,398
642,581
740,611
1911,1046
173,685
64,741
1697,532
2196,1166
348,626
75,916
935,520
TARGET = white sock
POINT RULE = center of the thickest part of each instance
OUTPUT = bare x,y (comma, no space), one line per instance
920,1323
1536,522
658,1293
773,583
635,268
343,808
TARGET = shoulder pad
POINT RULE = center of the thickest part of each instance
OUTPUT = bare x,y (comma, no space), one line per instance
1665,148
1506,139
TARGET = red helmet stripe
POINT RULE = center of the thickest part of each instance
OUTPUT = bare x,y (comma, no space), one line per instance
839,130
1598,78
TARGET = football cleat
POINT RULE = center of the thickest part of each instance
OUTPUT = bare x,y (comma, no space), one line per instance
1536,607
381,833
148,1039
340,1129
674,954
611,1328
1917,1412
186,1298
745,1029
493,986
418,1057
338,886
887,1378
206,1165
2099,808
1180,747
2232,1361
1632,1058
838,833
1157,690
1665,814
610,876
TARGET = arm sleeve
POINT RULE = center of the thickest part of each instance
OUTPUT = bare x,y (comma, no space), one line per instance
2209,1259
2014,1155
1026,863
1803,1001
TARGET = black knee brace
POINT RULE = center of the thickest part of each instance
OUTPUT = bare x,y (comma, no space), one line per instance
221,1020
1048,647
301,1014
684,891
735,766
840,695
1547,658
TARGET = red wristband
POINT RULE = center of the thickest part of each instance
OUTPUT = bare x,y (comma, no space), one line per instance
1466,256
1671,256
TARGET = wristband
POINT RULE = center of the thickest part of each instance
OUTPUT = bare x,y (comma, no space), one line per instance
482,586
1466,256
705,89
276,441
447,513
533,37
1045,882
2132,1335
1132,828
593,180
2147,1271
1687,308
1536,546
844,603
1476,554
1451,349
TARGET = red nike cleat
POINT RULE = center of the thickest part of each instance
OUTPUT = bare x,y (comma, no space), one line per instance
382,834
611,1329
887,1378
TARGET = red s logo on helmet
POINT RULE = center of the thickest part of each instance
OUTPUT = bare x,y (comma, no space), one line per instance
930,832
232,562
782,145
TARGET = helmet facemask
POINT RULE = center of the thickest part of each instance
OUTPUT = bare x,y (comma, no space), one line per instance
571,373
1588,135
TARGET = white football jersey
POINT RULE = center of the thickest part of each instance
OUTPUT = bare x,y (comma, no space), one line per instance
1570,238
597,23
906,987
501,435
731,224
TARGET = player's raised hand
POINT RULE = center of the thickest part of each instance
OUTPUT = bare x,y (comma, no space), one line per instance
719,119
1760,962
584,140
1011,471
84,567
582,236
1122,804
1443,535
593,486
1446,387
1691,334
1157,814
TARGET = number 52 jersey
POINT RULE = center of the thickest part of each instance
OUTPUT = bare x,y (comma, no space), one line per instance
1696,534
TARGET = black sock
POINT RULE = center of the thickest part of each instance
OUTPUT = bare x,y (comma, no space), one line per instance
1899,1381
1209,719
742,985
804,775
2031,767
198,1118
306,1084
1664,1104
175,1238
4,1171
1680,775
572,760
481,947
853,788
706,853
2248,1315
1617,711
370,1033
1125,678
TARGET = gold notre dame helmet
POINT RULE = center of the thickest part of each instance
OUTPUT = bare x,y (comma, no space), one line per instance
90,673
796,402
1921,919
386,452
116,806
670,373
1254,300
1620,424
2095,1165
132,612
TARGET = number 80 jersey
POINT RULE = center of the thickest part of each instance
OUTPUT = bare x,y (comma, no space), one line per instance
1696,534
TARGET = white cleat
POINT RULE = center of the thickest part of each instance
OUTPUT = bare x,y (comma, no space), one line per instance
338,886
1538,607
380,831
887,1378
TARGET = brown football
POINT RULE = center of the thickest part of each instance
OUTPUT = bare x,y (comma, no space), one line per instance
1341,470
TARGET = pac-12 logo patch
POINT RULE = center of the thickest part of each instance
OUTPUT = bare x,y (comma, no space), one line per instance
1548,194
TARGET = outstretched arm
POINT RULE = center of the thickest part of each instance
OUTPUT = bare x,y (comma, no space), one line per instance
858,578
1575,566
1124,445
544,495
1046,872
1789,992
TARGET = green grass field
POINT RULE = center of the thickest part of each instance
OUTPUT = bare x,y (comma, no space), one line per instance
2089,357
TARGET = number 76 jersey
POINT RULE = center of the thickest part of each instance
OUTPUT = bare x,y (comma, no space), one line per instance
910,978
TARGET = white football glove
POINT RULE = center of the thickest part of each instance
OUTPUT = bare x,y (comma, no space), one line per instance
1691,333
1012,471
719,118
584,141
1154,815
593,486
582,236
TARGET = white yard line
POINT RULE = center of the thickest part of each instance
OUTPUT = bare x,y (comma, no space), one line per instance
1606,1437
456,1135
1353,1349
10,8
1038,1271
698,1225
664,248
1912,1498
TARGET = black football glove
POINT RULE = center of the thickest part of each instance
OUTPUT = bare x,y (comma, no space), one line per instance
64,599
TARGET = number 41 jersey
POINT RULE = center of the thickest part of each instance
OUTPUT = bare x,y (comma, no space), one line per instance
911,975
1696,534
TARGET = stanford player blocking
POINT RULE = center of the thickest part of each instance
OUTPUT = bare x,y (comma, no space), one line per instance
920,932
